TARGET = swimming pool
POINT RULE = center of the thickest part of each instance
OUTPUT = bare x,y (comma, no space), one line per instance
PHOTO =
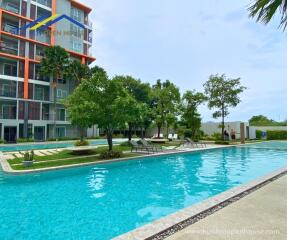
52,145
103,201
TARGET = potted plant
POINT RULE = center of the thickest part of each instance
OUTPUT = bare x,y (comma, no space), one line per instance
28,159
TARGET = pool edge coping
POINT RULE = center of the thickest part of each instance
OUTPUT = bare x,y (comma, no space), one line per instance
172,223
8,169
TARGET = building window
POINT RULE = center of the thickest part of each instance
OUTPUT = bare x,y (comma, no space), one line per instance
8,88
77,31
77,14
60,132
77,46
10,69
21,130
62,94
61,114
8,111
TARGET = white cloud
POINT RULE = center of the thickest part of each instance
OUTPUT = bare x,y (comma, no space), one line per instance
186,41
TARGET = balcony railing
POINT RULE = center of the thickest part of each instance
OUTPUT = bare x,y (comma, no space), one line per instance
9,48
11,93
10,28
15,8
8,115
47,3
50,117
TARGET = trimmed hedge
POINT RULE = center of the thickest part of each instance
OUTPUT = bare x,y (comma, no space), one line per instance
258,134
277,135
220,142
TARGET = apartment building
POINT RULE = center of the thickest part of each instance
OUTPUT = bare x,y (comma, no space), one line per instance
26,97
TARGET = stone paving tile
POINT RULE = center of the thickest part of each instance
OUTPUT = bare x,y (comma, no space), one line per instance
18,155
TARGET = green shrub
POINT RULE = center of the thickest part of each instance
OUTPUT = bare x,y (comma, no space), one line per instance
29,156
24,140
1,141
118,136
187,133
220,142
125,144
258,134
277,135
217,136
111,154
82,143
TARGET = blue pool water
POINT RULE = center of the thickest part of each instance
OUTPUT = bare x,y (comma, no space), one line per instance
103,201
39,146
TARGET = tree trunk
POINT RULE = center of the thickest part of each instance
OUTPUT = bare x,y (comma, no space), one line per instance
110,139
222,124
82,134
55,107
130,132
142,133
158,130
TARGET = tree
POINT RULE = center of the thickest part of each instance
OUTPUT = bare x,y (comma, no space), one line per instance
165,102
222,93
259,120
78,71
103,100
264,10
191,117
138,109
55,63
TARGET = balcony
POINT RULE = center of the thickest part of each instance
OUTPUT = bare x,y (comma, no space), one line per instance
11,5
8,109
8,88
8,69
10,28
47,3
8,115
9,46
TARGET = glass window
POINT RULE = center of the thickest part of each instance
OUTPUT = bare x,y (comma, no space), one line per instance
62,93
10,69
61,132
39,93
8,88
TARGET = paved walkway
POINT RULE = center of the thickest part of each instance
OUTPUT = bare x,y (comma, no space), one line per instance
260,215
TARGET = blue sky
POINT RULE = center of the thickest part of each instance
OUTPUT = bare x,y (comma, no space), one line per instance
186,41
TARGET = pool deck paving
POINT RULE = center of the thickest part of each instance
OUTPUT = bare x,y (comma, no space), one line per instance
259,215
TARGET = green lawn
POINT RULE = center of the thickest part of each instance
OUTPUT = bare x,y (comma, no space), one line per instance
66,157
64,162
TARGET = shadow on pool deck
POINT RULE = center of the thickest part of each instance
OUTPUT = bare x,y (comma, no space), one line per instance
260,215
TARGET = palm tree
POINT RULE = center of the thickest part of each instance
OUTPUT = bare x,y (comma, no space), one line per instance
55,63
78,71
264,10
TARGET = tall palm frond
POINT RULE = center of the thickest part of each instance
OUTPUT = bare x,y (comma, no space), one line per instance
264,10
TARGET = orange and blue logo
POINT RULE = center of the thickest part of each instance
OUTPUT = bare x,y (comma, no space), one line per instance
44,22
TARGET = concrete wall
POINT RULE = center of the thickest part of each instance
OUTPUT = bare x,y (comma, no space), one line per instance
93,131
210,128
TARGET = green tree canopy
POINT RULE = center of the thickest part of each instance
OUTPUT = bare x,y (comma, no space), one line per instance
190,117
261,120
165,102
138,111
78,71
222,93
264,11
104,101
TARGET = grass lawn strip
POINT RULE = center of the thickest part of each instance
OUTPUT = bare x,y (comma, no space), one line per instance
63,162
